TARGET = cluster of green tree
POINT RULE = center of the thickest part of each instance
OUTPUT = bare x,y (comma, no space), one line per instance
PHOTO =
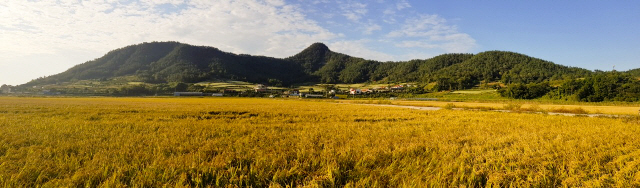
634,73
5,88
454,83
525,91
609,86
510,67
162,89
165,62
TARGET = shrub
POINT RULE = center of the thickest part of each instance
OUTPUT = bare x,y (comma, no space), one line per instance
449,106
570,111
513,107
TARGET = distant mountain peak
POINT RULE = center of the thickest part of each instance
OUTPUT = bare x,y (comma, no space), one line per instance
318,46
313,57
315,50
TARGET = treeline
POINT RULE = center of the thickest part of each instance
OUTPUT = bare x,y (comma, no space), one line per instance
163,89
605,86
125,90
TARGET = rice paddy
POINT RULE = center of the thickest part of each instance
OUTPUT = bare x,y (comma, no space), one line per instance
249,142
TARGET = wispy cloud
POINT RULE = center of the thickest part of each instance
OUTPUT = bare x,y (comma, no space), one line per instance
320,1
360,48
390,12
370,27
432,31
402,4
353,11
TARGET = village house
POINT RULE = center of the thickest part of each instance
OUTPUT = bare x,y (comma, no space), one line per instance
397,88
229,91
353,91
367,91
5,89
382,89
313,96
187,94
260,88
49,92
293,91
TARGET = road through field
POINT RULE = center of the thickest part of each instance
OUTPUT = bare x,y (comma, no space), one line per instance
509,111
591,109
557,108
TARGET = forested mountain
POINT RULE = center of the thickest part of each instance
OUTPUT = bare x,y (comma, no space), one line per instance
172,61
634,72
159,62
511,67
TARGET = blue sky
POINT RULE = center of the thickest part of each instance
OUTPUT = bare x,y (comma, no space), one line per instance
41,38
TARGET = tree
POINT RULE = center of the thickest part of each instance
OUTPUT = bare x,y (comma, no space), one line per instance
135,90
328,87
180,87
525,91
195,88
275,82
416,90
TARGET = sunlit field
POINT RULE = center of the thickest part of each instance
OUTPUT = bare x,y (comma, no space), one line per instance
629,109
234,142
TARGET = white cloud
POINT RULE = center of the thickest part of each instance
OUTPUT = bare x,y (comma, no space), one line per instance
388,16
320,1
275,2
388,12
66,28
359,48
422,26
353,10
371,27
416,44
432,31
417,54
402,4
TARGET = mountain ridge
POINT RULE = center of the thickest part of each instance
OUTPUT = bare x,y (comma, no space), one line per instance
158,62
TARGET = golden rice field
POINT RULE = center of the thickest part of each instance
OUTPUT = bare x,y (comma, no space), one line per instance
591,109
233,142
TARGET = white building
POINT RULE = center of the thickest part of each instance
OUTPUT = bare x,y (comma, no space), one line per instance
5,89
260,88
187,94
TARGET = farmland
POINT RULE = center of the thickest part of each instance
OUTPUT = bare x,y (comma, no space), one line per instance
522,106
220,142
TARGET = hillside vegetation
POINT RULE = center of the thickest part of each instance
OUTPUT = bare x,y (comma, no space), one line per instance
161,62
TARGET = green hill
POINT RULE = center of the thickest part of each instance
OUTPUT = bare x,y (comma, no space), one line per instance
161,62
176,62
511,67
634,72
